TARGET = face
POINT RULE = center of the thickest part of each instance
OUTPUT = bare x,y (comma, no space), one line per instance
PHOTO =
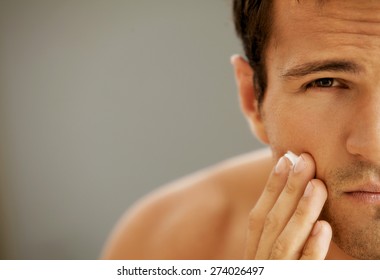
323,98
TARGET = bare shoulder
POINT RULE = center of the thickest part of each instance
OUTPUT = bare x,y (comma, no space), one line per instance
194,217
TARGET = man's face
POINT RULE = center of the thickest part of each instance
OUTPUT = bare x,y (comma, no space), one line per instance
323,98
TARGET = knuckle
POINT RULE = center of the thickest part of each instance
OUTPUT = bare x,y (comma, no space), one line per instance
308,252
279,249
300,213
290,187
255,219
271,221
271,188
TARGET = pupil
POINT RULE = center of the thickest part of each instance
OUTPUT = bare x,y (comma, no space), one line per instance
325,82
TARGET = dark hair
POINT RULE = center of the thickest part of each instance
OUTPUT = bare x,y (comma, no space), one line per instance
253,20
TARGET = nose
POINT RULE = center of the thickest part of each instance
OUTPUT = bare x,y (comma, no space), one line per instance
363,140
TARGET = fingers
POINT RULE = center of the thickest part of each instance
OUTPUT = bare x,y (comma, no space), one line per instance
283,222
291,242
318,243
286,204
272,190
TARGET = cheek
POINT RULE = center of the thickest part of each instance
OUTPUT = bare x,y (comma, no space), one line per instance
296,128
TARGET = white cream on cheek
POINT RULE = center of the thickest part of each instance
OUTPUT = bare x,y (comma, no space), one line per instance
292,157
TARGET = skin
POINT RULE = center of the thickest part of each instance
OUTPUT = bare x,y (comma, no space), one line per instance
322,103
347,154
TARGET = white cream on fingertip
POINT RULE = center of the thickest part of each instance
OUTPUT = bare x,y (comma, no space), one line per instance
292,157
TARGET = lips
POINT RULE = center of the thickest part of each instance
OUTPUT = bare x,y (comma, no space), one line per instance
366,193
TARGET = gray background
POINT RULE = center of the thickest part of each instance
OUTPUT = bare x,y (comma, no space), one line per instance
101,102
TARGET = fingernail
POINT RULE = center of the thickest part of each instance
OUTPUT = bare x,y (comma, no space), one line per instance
280,166
317,228
300,165
309,189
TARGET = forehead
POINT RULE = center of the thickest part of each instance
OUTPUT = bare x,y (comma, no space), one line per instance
307,29
319,15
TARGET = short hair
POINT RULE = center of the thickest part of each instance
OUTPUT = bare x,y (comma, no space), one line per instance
253,20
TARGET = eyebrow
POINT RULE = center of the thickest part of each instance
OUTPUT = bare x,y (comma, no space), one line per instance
319,66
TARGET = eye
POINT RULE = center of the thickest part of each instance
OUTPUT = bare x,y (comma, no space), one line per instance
323,82
327,85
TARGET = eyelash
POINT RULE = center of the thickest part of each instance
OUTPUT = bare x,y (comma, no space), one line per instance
334,83
314,83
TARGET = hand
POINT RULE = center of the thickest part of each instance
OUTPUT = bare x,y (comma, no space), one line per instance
283,224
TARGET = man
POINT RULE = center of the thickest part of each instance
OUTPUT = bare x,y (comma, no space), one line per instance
311,85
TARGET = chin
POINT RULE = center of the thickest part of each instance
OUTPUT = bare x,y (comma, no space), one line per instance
356,231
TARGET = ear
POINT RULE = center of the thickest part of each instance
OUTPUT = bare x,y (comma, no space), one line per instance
247,95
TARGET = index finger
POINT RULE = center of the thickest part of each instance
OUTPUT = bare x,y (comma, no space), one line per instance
268,198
